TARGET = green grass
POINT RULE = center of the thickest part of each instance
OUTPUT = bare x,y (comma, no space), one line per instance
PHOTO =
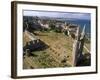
44,59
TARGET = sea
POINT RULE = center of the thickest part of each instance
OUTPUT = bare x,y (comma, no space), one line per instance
81,23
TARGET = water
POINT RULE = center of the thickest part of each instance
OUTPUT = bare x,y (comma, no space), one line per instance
81,23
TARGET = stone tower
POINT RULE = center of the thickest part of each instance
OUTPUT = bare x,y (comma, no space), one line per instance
78,46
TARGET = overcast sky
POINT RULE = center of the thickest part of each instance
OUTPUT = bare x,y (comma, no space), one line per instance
68,15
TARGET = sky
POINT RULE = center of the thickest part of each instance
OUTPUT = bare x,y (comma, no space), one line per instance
69,15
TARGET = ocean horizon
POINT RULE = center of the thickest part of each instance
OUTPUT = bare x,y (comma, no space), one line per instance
81,23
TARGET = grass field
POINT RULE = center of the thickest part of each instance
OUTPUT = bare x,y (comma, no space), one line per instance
58,54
